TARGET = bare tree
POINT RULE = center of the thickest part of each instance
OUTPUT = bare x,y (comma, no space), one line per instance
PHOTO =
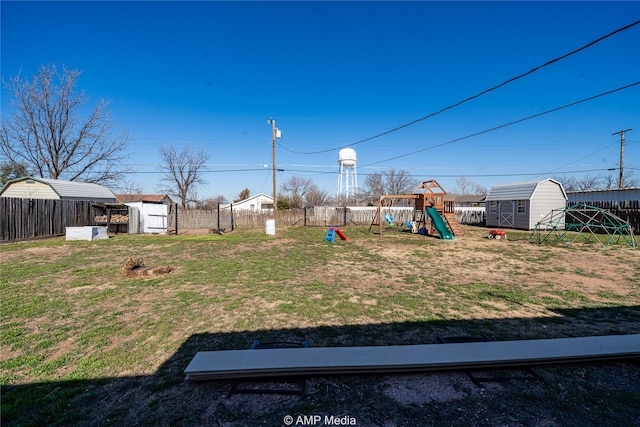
590,182
211,202
587,183
295,190
317,197
630,181
390,182
130,188
568,183
49,134
609,182
400,181
374,187
463,185
182,172
479,189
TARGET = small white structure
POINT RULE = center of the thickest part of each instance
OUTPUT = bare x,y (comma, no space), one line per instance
152,212
152,217
29,187
258,203
348,178
270,227
86,233
522,205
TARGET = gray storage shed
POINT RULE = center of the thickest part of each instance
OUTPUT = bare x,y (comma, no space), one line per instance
29,187
521,205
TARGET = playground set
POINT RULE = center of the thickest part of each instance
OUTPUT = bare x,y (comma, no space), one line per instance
332,233
586,223
430,208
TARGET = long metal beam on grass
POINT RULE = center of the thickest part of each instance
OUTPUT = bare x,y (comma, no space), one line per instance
232,364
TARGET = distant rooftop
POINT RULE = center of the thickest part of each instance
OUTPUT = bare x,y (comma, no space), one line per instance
152,198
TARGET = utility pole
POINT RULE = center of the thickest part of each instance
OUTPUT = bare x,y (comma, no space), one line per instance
621,133
275,134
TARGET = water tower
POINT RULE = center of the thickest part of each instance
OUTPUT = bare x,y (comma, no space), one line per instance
348,179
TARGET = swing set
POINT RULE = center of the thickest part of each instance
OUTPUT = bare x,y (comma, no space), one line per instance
429,203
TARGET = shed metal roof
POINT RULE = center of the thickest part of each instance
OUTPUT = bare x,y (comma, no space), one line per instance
71,189
519,190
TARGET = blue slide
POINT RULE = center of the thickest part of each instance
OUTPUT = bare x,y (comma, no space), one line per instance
438,223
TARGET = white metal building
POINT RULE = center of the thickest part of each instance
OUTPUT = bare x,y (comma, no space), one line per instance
29,187
522,205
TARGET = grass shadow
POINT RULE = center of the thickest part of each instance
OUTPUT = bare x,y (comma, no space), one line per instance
609,390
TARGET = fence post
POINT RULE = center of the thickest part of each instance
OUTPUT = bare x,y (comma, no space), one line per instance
175,205
218,216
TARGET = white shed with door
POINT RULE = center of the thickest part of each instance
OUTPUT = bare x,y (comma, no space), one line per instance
148,213
152,217
522,205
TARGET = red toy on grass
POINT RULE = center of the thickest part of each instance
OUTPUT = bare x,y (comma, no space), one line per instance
497,234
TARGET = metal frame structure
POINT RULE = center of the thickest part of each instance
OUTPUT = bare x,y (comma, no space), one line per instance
586,222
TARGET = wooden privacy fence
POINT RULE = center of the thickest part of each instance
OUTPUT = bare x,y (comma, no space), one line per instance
22,219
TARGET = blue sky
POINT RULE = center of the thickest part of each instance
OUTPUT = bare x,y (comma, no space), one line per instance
210,74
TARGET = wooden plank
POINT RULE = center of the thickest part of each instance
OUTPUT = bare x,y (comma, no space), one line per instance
209,365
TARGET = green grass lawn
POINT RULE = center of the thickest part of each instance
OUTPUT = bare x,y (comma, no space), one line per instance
83,344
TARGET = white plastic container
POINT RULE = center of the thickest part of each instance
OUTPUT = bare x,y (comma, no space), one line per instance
271,227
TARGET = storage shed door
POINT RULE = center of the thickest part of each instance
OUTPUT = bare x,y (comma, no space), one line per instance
155,218
506,210
134,220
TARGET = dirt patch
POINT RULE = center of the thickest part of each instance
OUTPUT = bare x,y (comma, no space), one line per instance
420,389
50,253
135,267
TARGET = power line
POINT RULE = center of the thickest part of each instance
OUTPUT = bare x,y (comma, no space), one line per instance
484,175
584,157
508,124
506,82
451,141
